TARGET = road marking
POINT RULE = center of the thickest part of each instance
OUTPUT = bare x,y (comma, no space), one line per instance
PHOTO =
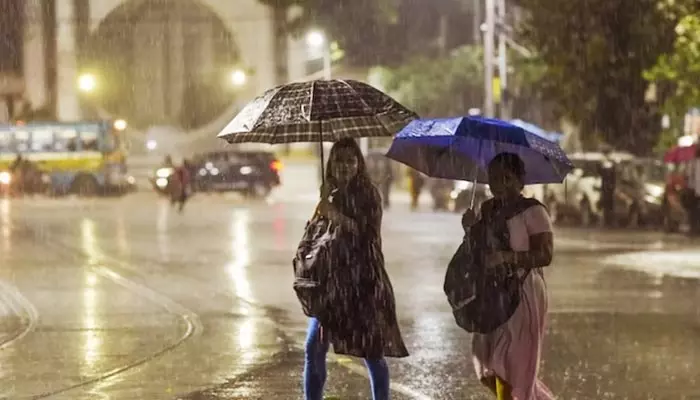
190,318
18,305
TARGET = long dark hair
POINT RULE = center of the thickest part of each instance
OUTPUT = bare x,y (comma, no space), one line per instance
362,178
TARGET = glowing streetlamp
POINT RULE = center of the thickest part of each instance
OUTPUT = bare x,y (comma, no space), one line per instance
239,78
316,40
120,125
87,83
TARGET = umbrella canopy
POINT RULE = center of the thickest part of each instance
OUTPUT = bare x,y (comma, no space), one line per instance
680,154
461,148
532,128
321,110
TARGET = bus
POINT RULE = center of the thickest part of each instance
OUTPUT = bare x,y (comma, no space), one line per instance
85,158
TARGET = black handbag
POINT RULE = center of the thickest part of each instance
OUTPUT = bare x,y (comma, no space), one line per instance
312,267
484,299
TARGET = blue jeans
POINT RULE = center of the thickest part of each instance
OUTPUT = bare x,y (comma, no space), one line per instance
315,367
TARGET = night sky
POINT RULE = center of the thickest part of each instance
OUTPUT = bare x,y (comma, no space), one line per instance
11,35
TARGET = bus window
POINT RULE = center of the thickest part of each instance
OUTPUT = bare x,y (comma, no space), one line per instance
66,140
89,141
42,140
21,142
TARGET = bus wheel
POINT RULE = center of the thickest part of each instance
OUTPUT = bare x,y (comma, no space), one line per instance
85,185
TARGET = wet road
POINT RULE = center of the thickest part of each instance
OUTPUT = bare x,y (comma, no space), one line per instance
127,299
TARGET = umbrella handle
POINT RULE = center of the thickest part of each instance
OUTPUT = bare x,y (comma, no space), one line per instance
320,143
471,202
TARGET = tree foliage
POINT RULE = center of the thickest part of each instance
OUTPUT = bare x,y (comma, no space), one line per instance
437,87
596,52
681,68
381,32
360,27
452,84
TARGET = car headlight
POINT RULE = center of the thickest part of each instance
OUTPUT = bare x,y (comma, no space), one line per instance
654,190
162,182
246,170
164,172
5,178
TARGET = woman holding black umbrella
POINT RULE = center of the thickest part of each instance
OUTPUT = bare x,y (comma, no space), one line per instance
365,315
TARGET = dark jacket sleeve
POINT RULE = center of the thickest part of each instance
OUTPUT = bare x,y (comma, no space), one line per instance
369,217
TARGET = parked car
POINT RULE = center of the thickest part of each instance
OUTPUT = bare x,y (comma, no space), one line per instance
462,192
639,196
253,173
578,198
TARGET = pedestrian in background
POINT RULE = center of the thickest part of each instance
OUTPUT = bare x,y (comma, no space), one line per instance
608,178
691,196
180,189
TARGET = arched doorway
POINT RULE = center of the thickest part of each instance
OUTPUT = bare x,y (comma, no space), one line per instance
163,62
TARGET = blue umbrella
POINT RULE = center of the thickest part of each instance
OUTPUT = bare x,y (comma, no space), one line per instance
461,148
551,136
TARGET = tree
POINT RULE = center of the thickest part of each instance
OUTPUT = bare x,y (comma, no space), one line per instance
380,32
595,52
360,27
680,69
438,87
452,84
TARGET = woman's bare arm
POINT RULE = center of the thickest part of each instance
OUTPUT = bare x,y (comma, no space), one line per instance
540,254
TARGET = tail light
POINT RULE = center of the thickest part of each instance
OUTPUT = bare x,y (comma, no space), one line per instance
276,166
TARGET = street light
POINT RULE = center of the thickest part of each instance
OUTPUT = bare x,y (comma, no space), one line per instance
120,125
239,77
316,40
87,83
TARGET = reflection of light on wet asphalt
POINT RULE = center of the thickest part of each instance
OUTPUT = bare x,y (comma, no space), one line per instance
240,253
279,226
122,237
238,272
91,347
162,232
88,241
679,264
92,344
5,219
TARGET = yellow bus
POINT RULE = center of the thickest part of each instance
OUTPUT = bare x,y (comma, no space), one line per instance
87,158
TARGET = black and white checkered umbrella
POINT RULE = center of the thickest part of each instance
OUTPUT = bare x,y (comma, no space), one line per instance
316,111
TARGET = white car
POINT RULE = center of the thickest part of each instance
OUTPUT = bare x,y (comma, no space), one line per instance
579,195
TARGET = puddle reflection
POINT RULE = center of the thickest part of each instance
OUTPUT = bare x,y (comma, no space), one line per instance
123,237
240,254
92,344
237,270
